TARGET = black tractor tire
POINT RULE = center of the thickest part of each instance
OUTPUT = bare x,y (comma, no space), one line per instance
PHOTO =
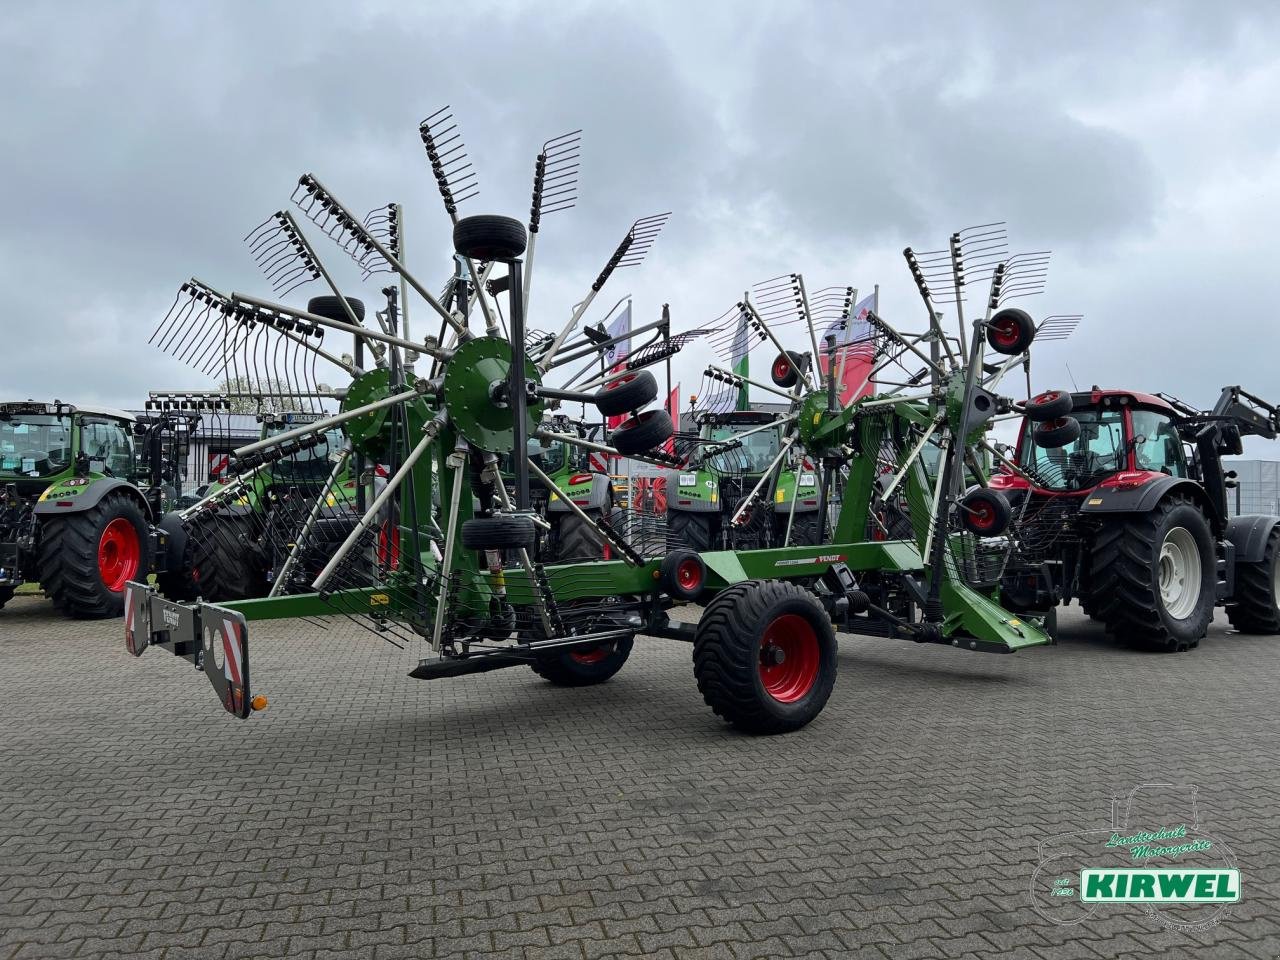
1125,572
489,237
786,369
1255,608
985,512
1011,331
80,552
642,432
331,308
499,533
749,622
1050,405
576,539
693,530
583,667
225,559
1053,434
6,594
804,529
631,391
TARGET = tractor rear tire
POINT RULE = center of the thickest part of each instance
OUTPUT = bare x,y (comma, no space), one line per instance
87,558
1255,608
693,530
583,667
226,563
6,594
804,529
765,656
577,540
1139,561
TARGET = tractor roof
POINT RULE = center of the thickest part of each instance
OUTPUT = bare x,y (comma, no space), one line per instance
1097,396
27,406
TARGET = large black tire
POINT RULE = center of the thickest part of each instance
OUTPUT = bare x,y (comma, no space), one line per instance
499,533
630,391
1255,608
331,308
1125,573
567,667
753,622
86,558
489,237
576,539
6,594
804,529
226,560
693,530
642,432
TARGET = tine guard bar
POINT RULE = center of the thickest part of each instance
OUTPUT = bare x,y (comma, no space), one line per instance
214,639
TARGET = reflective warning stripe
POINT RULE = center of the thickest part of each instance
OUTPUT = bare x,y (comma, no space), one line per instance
231,665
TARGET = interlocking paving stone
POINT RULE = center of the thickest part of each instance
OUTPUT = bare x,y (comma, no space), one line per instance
370,815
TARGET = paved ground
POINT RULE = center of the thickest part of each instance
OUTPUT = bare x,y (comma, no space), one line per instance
369,815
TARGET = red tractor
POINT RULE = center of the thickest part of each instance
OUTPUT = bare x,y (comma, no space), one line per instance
1122,500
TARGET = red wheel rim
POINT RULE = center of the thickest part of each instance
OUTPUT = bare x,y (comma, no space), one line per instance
982,515
1049,397
614,384
118,554
781,368
1005,333
689,574
792,639
588,657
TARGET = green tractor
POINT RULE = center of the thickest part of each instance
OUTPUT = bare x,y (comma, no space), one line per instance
81,492
577,481
736,450
237,539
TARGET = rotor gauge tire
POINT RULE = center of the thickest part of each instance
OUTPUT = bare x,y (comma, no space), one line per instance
583,666
682,575
786,369
226,561
577,539
693,530
630,391
1050,405
1255,608
642,432
331,308
499,533
489,237
1053,434
765,656
1152,576
985,512
6,594
1011,331
87,558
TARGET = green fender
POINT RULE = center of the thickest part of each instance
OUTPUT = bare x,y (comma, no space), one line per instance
74,495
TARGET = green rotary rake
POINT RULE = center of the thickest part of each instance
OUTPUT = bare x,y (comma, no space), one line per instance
447,552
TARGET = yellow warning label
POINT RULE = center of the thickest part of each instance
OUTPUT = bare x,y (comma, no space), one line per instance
379,600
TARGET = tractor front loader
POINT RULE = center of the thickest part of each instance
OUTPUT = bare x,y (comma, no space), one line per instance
465,584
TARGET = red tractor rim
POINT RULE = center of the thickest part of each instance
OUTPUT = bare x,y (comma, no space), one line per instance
792,639
689,574
119,554
588,657
1005,332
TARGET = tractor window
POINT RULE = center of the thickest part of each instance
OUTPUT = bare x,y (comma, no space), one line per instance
1097,453
1157,445
754,456
34,445
108,442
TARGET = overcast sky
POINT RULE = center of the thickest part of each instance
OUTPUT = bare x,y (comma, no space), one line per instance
1137,141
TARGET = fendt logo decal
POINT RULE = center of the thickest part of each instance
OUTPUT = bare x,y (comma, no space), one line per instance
809,561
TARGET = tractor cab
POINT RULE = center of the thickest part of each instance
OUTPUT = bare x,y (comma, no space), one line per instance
753,448
1120,432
